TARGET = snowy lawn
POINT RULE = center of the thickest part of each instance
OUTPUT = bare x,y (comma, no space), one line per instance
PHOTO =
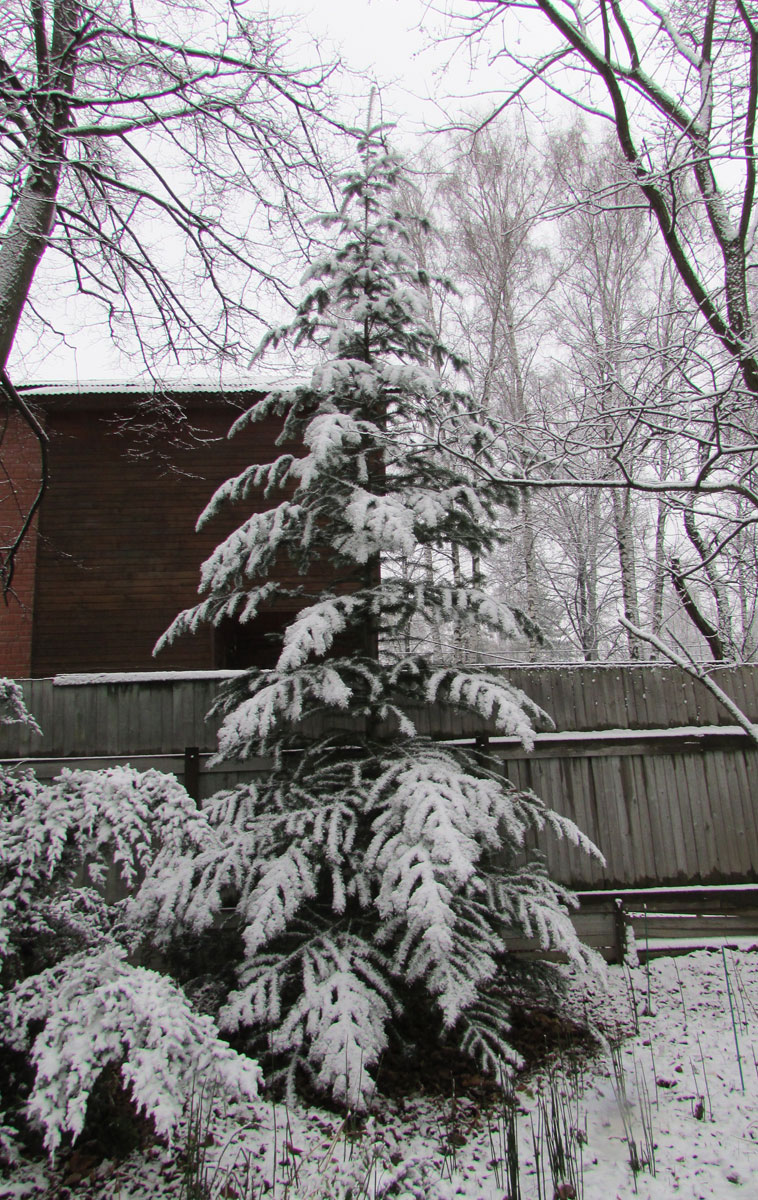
675,1091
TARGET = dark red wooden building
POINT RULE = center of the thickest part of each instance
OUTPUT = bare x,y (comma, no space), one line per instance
114,555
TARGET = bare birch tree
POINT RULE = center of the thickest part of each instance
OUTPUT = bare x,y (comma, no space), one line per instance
601,308
679,87
493,197
554,299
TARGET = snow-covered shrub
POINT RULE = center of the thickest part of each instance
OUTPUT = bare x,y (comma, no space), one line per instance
96,1010
82,821
369,862
69,999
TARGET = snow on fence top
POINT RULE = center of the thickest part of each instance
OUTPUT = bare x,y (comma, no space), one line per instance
162,712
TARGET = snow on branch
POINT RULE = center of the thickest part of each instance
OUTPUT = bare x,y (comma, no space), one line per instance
492,697
98,1011
13,708
692,668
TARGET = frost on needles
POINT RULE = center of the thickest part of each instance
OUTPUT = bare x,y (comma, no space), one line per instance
72,1002
369,864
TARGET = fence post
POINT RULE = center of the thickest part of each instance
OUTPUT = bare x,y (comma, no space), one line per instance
192,771
619,929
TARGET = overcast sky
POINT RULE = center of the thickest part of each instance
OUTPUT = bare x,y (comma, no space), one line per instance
394,41
427,82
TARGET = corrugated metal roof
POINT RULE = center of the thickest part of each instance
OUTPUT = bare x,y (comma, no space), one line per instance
90,387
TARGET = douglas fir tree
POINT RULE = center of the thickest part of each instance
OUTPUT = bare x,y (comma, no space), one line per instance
370,864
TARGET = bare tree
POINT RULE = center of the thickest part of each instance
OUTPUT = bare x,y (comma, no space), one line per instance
602,311
150,148
557,297
494,196
679,87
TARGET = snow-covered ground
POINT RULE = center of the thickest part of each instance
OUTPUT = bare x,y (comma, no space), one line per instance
675,1090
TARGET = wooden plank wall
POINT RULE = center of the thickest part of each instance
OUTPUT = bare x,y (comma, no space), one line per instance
154,713
158,715
674,804
662,814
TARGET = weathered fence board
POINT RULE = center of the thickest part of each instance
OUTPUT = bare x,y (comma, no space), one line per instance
639,811
682,815
662,920
159,713
667,804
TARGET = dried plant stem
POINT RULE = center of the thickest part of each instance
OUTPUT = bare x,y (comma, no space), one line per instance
646,1118
741,992
705,1079
510,1134
650,1012
619,1077
734,1022
539,1158
699,1097
632,996
655,1073
681,993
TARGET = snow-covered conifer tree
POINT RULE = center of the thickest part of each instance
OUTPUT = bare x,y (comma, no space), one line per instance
370,861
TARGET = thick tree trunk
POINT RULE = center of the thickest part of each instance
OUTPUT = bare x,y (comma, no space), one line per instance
586,597
44,152
698,618
715,584
20,254
430,579
459,637
528,541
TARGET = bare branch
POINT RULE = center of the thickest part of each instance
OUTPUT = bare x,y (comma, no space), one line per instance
692,668
9,553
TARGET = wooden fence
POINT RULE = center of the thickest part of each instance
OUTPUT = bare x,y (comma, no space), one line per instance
641,757
148,713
